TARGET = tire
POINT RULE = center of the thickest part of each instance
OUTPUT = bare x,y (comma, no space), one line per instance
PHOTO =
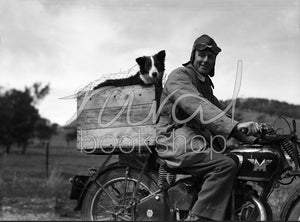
105,197
291,209
294,213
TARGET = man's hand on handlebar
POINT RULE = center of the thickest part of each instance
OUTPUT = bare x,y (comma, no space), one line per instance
255,129
249,132
249,128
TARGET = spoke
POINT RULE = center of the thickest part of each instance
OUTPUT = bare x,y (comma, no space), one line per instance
107,193
125,188
118,207
138,181
116,190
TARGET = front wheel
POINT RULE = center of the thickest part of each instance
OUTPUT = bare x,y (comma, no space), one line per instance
294,214
110,196
291,209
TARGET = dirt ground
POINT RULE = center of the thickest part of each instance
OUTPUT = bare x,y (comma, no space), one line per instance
36,209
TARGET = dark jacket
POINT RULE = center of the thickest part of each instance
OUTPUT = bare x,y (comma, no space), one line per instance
182,136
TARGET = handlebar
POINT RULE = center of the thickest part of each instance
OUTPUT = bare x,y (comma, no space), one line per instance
267,134
263,129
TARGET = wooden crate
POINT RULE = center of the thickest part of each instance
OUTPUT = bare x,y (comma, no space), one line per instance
116,119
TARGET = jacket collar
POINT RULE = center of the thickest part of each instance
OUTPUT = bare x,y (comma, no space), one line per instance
198,74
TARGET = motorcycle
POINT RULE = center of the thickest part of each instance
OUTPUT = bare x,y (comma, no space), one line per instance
141,187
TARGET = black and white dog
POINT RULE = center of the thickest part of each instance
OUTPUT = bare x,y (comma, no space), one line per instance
151,70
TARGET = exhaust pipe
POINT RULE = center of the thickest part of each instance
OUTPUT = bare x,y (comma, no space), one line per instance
260,207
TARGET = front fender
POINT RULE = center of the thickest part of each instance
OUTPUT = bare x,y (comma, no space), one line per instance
291,207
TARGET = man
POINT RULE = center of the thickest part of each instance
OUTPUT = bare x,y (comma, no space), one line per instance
193,128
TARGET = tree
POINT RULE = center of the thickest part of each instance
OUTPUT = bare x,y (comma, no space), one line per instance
19,116
44,129
6,118
25,116
261,118
38,92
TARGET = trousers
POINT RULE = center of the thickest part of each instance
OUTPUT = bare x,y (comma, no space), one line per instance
218,172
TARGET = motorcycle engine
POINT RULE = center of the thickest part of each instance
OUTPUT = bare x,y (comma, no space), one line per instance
246,213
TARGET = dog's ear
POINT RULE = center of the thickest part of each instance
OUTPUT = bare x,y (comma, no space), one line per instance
161,55
141,61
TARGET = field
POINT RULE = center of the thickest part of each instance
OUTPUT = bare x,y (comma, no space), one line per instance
27,193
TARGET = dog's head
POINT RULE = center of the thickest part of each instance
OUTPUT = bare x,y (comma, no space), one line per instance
152,67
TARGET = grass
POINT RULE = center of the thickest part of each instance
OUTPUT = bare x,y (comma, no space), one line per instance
26,191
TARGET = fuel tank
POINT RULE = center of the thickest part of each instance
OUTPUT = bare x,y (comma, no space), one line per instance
256,162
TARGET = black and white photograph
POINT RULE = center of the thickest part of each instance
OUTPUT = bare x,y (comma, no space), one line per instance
149,110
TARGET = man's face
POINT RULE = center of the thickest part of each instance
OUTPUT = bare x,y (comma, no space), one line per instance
204,61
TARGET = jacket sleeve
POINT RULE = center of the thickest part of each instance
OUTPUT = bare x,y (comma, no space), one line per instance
185,95
221,106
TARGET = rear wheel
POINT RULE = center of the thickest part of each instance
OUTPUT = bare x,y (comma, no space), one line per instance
109,197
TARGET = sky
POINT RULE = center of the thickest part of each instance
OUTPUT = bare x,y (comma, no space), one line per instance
70,44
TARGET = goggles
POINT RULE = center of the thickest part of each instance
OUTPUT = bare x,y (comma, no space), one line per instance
202,46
